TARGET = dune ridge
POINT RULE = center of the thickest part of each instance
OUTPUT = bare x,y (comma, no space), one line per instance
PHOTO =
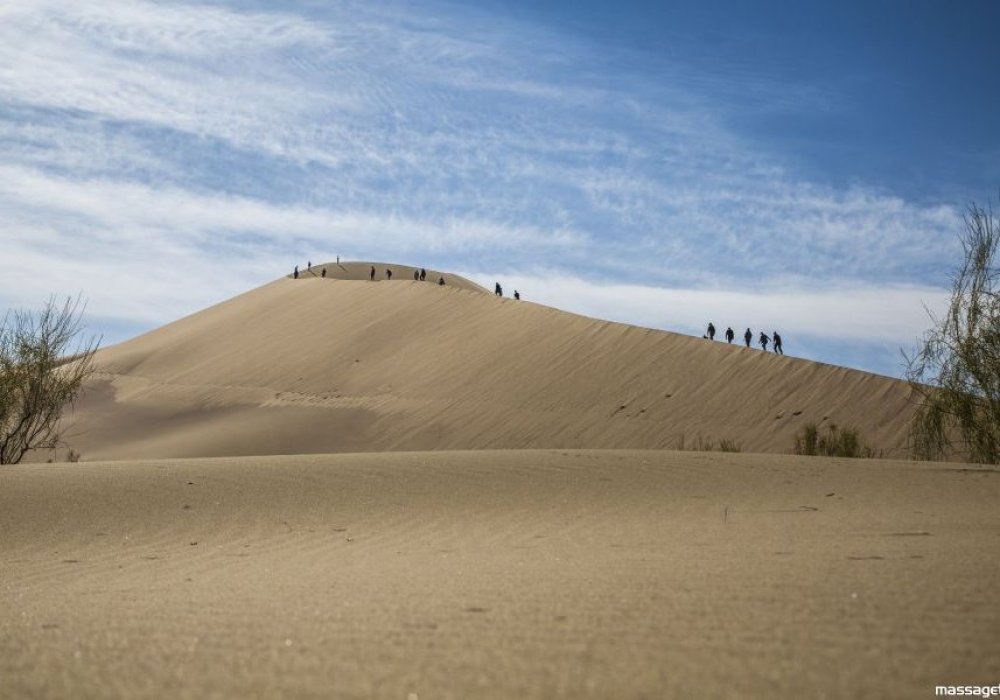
346,365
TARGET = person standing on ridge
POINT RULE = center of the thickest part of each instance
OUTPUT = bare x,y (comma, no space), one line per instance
777,344
388,273
499,290
517,295
441,281
416,275
764,340
711,331
295,272
730,335
371,275
309,265
423,274
324,273
748,336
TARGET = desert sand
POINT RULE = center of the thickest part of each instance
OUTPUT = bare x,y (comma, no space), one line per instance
332,488
498,574
343,364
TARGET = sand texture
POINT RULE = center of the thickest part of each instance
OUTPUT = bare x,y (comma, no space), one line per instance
343,364
498,574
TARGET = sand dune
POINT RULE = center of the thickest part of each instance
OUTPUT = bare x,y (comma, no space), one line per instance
496,575
346,365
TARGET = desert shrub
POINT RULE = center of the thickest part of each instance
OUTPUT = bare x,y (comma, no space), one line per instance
42,368
705,444
726,445
834,442
955,373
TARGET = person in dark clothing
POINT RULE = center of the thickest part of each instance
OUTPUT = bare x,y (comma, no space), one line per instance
324,273
309,265
777,343
748,336
441,281
423,274
499,290
711,331
295,273
371,274
388,273
764,340
517,295
416,275
730,335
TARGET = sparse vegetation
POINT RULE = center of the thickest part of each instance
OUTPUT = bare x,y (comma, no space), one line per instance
835,441
703,444
42,367
955,373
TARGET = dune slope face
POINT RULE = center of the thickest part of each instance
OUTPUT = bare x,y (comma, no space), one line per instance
345,365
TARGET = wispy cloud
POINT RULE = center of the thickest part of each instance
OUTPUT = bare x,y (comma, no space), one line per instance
183,149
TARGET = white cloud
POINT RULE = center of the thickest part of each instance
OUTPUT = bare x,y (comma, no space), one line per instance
189,151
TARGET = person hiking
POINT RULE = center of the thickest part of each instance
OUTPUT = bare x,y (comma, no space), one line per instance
711,331
388,273
295,273
777,344
324,273
730,335
371,274
748,336
517,295
423,274
499,290
416,275
764,340
441,281
309,266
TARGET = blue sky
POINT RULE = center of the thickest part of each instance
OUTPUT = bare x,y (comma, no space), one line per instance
773,165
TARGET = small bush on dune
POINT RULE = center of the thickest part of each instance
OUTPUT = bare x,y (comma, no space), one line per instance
703,444
834,442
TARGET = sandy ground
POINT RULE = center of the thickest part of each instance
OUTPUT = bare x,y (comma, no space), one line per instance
329,365
498,574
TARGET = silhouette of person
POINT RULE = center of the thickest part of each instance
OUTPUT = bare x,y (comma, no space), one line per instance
764,340
499,290
416,275
517,295
748,336
711,331
423,274
371,274
777,343
730,335
388,273
324,273
441,281
338,259
295,273
309,265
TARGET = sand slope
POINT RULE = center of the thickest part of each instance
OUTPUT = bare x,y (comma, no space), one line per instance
344,365
498,575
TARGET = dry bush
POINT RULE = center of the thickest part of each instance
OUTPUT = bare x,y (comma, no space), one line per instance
955,374
835,442
42,367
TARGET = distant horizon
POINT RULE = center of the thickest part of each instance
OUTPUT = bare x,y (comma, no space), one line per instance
784,167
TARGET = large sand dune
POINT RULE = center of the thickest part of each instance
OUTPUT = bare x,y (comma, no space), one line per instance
343,364
498,575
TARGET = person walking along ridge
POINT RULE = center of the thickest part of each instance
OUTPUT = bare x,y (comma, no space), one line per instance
711,331
730,335
777,344
371,274
764,340
747,337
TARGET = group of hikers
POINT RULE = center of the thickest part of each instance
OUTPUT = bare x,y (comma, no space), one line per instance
498,290
764,338
418,275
